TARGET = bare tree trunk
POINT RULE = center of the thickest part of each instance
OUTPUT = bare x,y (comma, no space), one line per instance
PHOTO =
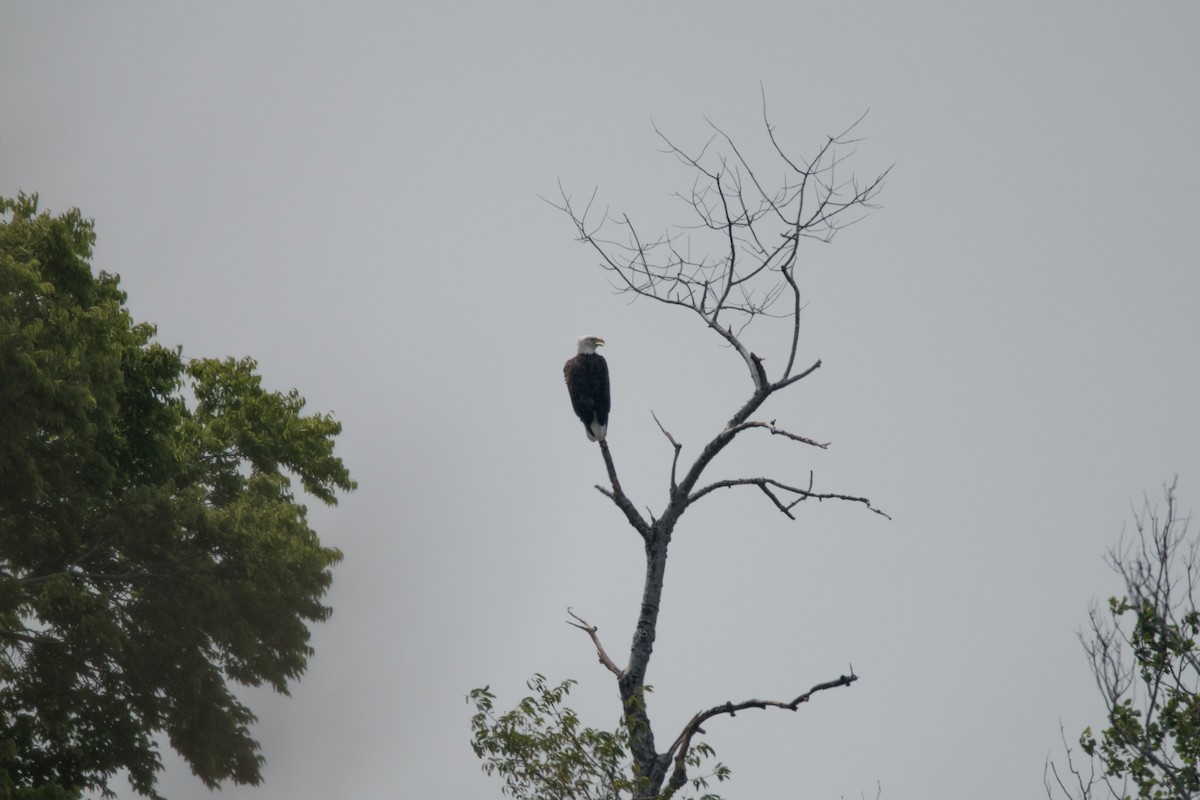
647,762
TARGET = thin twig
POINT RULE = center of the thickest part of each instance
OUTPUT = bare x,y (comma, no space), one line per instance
771,426
674,444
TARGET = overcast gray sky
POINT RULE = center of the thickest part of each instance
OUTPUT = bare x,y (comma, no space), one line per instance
350,193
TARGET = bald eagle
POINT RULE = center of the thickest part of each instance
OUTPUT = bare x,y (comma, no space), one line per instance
587,382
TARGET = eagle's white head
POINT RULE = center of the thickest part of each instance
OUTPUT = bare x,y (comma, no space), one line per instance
588,344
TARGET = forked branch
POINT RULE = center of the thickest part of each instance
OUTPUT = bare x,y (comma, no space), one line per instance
591,630
801,494
679,748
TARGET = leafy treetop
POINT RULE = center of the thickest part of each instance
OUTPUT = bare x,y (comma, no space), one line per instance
152,550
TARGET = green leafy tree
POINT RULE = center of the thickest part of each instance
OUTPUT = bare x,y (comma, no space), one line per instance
731,264
1146,662
152,549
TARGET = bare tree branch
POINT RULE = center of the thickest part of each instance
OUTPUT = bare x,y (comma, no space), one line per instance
617,495
781,432
788,381
1085,787
591,630
679,748
785,509
803,494
674,444
729,199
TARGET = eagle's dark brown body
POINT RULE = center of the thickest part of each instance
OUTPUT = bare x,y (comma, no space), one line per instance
587,381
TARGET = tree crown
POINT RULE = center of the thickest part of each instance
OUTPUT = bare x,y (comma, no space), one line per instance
151,548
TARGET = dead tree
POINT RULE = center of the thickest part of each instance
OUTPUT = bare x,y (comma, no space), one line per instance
760,232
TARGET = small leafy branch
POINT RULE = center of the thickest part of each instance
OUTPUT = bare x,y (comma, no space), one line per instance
1146,662
541,749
